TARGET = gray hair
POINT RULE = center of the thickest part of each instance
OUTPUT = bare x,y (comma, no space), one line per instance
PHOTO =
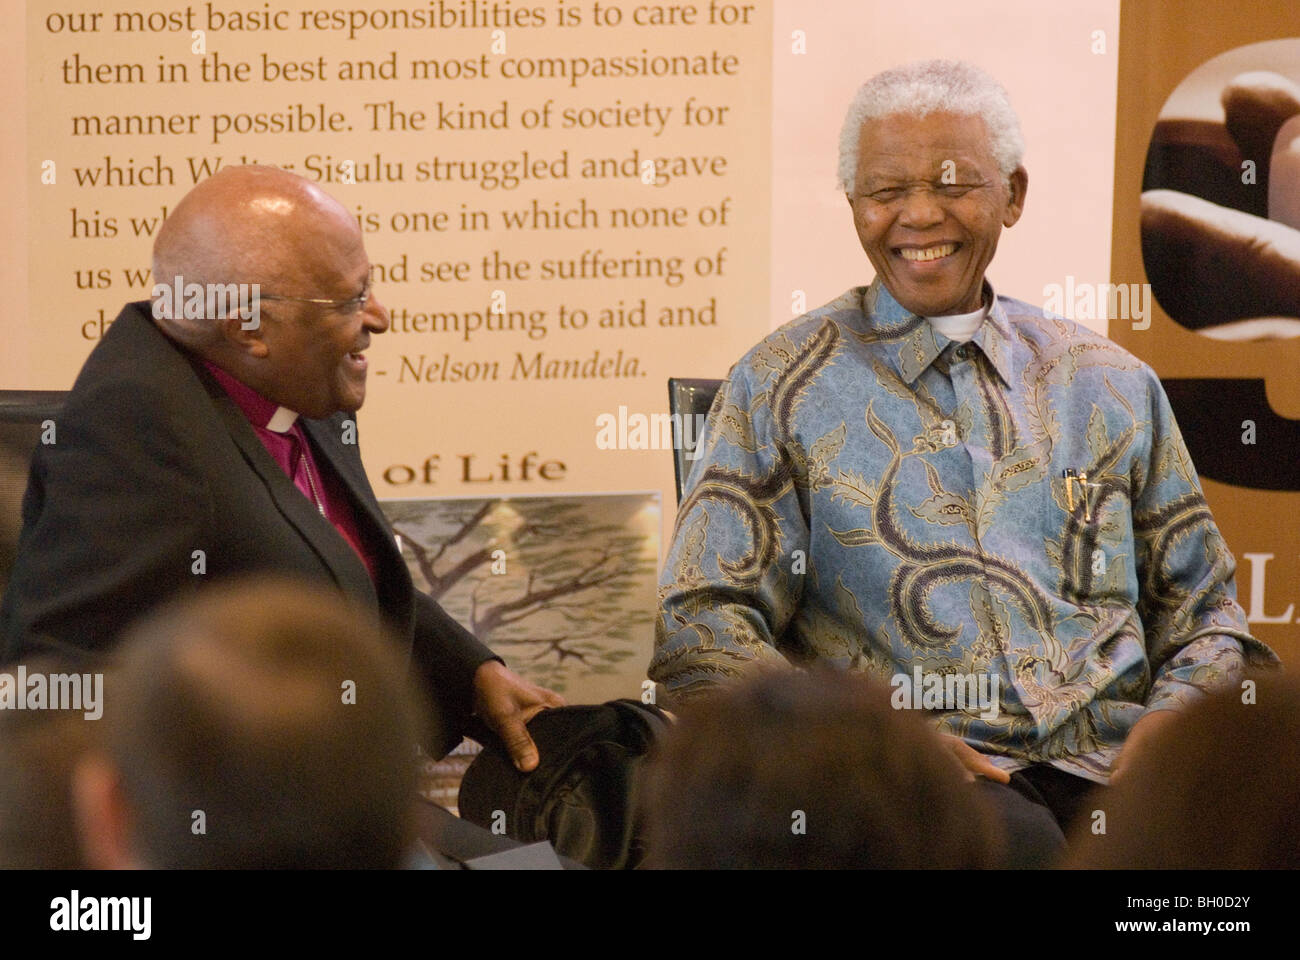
933,86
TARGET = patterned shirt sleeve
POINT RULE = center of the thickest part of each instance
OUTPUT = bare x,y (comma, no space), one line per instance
734,575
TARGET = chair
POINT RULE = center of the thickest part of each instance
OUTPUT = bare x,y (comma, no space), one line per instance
687,398
23,415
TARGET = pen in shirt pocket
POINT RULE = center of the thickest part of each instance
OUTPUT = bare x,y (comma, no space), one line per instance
1072,477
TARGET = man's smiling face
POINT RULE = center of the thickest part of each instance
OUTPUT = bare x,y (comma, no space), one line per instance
314,362
929,204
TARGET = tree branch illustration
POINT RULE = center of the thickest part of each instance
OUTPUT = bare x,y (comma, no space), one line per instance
426,558
572,573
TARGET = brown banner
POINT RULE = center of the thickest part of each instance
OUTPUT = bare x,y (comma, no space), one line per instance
1207,172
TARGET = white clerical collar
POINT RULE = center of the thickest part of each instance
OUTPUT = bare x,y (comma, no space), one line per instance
282,420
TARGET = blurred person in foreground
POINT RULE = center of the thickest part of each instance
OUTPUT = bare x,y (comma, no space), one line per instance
40,748
946,487
1218,790
216,435
260,726
810,771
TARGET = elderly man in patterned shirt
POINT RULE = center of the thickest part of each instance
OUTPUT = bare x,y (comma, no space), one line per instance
989,506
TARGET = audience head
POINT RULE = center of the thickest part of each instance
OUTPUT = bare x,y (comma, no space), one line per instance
39,750
255,727
1219,789
795,769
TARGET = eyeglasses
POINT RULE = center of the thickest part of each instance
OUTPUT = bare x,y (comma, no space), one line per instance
350,305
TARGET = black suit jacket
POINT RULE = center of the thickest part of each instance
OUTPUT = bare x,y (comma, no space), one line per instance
152,461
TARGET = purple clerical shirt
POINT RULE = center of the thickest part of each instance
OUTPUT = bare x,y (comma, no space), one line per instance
281,433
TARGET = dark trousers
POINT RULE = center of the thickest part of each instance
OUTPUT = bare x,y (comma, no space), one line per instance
1037,809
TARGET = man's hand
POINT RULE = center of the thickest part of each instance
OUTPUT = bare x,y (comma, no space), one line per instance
506,703
973,762
1141,734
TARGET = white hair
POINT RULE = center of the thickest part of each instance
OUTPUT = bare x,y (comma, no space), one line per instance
933,86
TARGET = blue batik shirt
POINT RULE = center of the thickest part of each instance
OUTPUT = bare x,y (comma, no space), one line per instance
1019,509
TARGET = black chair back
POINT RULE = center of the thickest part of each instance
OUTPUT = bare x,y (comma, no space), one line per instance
689,398
25,416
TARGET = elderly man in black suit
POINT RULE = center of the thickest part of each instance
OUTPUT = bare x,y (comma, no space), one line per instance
198,444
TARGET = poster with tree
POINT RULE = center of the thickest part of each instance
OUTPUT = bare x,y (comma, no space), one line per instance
563,588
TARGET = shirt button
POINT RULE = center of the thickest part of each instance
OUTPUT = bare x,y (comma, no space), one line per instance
965,352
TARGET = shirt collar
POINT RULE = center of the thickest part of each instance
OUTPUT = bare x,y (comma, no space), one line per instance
995,338
911,343
260,411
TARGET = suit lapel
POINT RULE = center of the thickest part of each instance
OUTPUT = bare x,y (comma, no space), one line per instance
325,436
335,552
394,579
